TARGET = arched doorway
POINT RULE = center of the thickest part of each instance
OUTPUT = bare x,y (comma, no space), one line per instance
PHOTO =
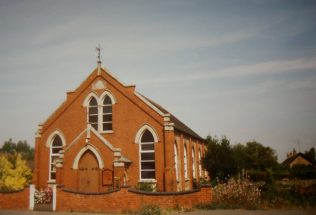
88,173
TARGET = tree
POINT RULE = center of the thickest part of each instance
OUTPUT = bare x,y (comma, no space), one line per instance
257,160
255,156
219,159
22,147
9,146
14,176
311,154
240,155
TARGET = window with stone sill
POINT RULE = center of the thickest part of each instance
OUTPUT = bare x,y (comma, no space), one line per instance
147,156
55,149
93,113
185,162
176,160
107,114
193,163
200,164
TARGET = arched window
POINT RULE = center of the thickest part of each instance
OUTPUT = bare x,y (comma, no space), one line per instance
107,114
55,148
185,162
200,164
193,163
176,160
147,156
93,113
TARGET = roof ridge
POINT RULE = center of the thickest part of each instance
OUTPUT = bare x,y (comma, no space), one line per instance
179,125
293,157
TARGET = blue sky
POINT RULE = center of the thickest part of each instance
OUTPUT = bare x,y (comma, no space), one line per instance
244,68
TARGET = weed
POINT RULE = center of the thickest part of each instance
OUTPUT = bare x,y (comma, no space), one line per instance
150,210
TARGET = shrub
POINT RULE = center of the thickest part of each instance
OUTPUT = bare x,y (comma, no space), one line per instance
257,175
278,195
145,186
281,174
196,184
14,173
150,210
205,182
303,172
43,196
237,194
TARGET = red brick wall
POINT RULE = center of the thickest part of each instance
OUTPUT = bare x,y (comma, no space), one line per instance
126,200
18,200
122,200
129,115
181,140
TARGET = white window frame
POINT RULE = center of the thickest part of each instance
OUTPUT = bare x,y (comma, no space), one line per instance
193,163
140,158
103,114
200,164
185,163
95,114
99,100
176,160
51,155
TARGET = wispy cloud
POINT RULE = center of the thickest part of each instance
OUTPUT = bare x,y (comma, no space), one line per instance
263,68
269,67
165,43
61,32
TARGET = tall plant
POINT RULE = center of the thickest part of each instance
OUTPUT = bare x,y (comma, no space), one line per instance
14,175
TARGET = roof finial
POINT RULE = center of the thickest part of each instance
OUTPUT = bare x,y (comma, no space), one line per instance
98,49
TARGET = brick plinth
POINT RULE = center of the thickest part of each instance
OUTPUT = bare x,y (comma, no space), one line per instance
18,200
129,200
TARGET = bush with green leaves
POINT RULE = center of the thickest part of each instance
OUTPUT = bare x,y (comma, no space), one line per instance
145,186
204,182
303,171
289,196
150,210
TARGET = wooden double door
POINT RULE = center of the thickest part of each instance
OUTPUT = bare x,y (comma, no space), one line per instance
89,173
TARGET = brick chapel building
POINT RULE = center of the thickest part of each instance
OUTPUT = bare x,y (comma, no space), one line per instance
106,135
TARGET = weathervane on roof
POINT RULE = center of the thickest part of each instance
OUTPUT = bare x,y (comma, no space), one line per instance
98,49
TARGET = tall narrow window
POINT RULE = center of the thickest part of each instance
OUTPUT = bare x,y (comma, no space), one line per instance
176,160
93,113
200,164
147,156
107,114
185,162
55,148
193,163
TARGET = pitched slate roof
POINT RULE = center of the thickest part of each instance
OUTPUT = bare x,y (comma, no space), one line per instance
178,125
289,160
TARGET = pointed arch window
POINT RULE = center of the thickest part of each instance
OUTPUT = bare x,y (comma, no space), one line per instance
55,149
176,160
200,164
107,114
185,162
147,156
193,163
93,113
